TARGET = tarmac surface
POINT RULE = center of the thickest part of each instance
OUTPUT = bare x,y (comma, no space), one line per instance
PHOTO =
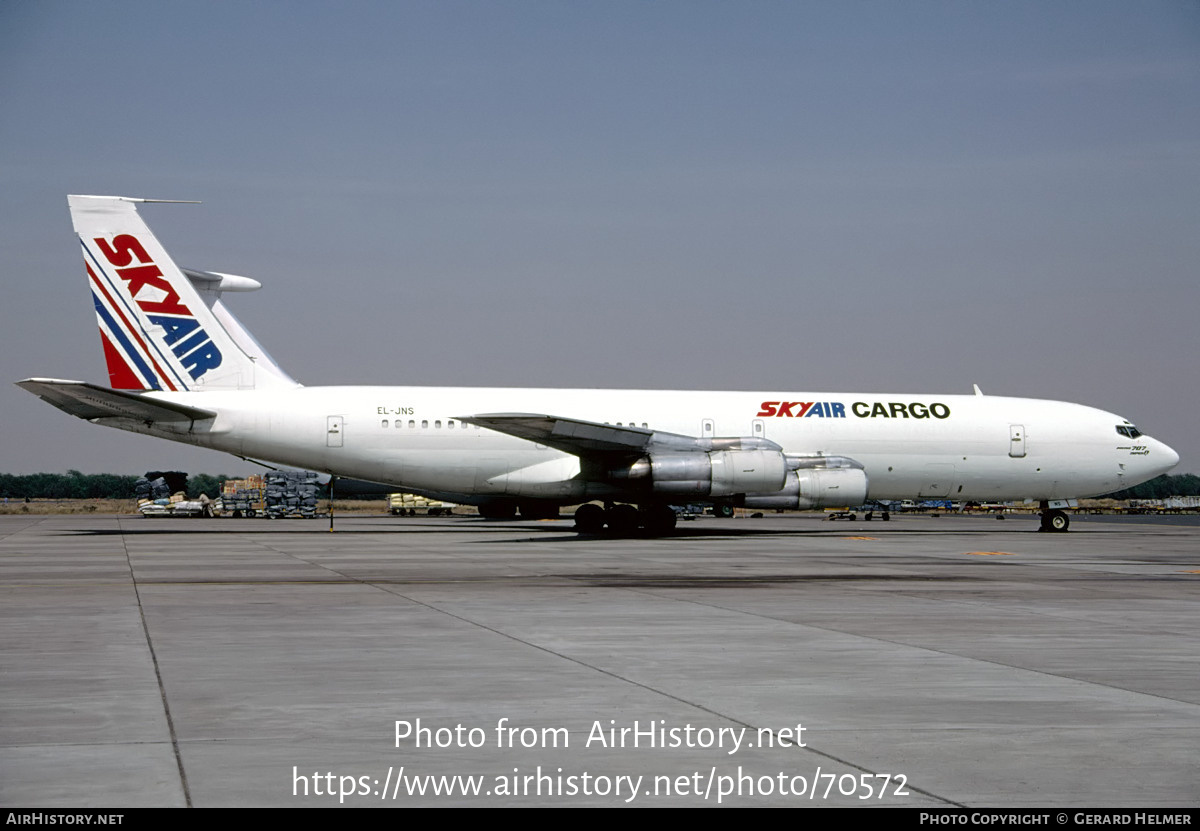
940,662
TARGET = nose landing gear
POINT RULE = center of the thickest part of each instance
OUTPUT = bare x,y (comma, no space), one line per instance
1055,520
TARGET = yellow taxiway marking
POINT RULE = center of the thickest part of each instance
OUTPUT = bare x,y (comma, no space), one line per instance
860,538
990,554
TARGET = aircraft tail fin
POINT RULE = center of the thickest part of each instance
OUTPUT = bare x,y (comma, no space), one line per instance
163,327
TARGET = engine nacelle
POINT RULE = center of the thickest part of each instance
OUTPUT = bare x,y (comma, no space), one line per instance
817,488
712,473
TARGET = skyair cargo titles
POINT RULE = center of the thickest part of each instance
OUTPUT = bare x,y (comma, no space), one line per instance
182,367
836,409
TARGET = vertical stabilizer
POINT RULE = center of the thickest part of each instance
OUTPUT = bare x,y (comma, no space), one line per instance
156,330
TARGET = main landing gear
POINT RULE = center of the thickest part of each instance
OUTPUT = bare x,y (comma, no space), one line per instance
1054,520
625,520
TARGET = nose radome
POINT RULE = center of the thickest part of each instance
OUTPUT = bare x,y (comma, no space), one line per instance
1167,456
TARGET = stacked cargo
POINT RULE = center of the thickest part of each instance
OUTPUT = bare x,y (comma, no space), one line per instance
410,504
155,499
151,490
243,497
291,493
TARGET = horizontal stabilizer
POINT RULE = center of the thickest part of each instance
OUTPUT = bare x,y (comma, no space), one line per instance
89,401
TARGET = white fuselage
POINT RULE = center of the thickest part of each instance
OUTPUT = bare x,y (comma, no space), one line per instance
935,446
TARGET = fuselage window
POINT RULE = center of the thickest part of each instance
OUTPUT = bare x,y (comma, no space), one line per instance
384,423
424,424
399,424
438,424
411,424
449,425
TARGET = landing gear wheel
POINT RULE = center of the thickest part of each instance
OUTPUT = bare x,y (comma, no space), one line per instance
724,511
658,519
589,519
1057,521
622,520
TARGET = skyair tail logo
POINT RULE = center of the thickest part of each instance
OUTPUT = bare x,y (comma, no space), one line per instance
157,298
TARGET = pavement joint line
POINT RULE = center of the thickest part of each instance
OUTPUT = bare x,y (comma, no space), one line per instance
162,690
381,586
654,690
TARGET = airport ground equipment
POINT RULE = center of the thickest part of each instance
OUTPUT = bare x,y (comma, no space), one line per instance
410,504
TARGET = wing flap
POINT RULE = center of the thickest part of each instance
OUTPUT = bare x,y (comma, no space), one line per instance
89,401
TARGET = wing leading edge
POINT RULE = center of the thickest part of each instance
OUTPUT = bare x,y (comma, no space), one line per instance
585,438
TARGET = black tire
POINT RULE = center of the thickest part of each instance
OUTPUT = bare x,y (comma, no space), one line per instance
724,511
622,520
589,519
659,520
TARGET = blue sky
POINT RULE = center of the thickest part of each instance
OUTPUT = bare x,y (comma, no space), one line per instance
872,196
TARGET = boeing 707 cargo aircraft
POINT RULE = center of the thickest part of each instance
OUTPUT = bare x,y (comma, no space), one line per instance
181,367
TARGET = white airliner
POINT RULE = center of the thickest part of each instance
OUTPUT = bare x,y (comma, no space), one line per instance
181,367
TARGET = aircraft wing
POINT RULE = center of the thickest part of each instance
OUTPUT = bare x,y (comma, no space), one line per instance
89,401
580,438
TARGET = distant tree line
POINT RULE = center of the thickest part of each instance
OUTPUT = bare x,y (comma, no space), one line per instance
1160,487
76,485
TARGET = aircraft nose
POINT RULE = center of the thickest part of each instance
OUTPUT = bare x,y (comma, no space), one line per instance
1167,457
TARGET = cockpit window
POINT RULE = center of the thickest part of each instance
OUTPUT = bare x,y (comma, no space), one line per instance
1128,430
